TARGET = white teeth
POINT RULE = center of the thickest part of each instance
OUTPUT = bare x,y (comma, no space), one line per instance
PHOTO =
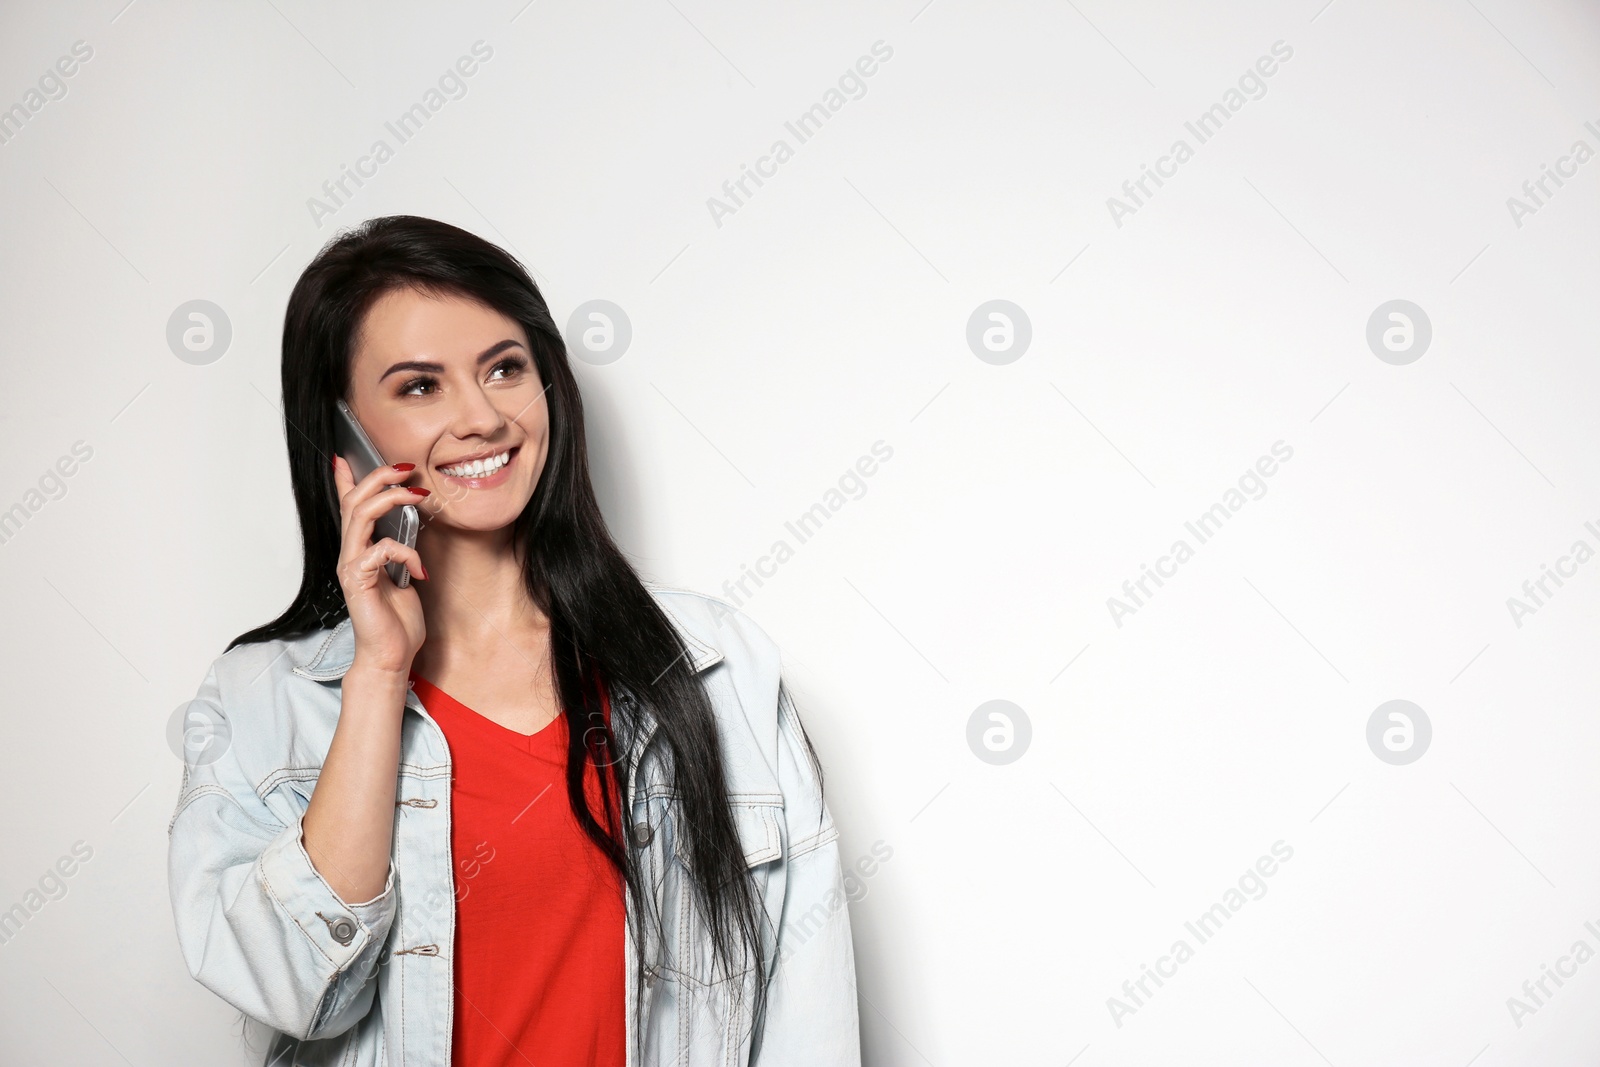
478,468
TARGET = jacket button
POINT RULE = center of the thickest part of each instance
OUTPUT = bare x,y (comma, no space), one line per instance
642,833
343,930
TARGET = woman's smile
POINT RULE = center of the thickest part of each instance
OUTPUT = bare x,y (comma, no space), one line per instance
482,473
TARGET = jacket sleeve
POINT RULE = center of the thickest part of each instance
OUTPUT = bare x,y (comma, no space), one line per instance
257,924
811,1010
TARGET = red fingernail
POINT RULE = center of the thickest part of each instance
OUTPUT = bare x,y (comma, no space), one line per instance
405,466
417,489
423,571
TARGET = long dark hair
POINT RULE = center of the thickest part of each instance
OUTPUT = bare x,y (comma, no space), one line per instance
603,620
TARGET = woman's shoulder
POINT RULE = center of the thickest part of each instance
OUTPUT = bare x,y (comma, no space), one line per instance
712,627
252,720
245,667
263,695
742,670
764,748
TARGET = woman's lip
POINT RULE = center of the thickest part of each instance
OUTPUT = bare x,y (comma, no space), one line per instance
487,480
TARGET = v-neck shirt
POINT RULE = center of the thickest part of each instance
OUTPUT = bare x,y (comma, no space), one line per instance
538,956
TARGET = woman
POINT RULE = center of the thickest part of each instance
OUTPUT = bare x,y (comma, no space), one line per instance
525,809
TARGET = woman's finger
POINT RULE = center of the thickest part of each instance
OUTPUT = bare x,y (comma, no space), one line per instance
384,551
362,506
385,500
342,481
375,482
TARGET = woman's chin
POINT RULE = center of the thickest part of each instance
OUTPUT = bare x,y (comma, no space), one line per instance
478,516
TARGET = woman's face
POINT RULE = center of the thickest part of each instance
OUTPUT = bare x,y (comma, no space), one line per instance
443,380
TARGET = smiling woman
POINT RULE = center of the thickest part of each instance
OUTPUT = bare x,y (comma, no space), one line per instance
463,420
376,732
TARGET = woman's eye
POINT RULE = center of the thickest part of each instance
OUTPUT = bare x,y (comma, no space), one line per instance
513,365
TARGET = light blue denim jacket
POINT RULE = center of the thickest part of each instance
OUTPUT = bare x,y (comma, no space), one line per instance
372,983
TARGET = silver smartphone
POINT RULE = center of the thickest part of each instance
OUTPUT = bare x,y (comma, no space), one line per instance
400,523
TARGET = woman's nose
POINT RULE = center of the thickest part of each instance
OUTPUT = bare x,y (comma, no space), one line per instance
476,415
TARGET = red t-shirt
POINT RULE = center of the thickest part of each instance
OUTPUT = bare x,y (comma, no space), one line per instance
539,909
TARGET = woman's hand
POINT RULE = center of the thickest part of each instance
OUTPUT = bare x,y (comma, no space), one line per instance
388,620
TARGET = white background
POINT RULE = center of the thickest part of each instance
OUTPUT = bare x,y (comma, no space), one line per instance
769,353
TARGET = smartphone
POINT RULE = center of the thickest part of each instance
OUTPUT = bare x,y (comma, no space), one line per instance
400,523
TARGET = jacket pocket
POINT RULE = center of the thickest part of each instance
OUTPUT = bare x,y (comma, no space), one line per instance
328,1052
691,955
360,1046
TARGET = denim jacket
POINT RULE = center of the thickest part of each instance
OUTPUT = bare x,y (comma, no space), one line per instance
373,982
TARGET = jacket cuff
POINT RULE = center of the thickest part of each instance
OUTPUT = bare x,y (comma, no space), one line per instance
339,930
377,912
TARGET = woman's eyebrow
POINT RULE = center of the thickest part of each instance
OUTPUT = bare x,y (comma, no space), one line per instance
437,368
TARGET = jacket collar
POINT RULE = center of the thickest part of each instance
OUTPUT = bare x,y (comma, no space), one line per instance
332,657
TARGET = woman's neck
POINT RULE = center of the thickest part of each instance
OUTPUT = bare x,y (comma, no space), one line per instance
475,600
